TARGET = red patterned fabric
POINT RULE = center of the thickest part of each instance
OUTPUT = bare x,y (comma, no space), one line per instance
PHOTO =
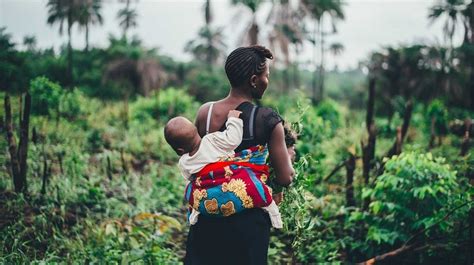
228,187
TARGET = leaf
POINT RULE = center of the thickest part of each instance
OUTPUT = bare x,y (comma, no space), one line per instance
376,206
366,193
134,243
110,229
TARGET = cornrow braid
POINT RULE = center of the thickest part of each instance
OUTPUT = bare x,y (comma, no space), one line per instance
244,62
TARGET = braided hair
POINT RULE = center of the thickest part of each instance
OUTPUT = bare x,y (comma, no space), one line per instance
244,62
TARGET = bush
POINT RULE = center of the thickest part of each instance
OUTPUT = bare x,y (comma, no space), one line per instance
73,105
45,96
208,86
437,111
414,193
163,105
330,111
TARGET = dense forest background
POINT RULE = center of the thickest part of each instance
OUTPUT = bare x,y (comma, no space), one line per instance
384,164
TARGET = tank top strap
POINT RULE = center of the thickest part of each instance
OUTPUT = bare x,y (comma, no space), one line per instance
208,120
251,124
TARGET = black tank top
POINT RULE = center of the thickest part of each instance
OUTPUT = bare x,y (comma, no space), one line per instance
258,124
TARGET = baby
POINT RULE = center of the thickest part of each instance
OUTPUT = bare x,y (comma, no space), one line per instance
197,152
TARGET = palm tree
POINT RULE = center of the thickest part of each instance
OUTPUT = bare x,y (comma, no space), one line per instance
208,47
288,30
452,10
60,11
252,32
317,9
127,17
89,14
29,42
336,49
468,14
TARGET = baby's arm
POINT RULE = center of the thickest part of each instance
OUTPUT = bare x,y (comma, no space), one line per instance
184,172
231,137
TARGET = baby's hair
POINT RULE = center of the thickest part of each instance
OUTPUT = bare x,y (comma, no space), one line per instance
179,133
244,62
290,136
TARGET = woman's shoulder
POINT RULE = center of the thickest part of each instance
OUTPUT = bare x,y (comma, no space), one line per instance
268,114
268,118
202,112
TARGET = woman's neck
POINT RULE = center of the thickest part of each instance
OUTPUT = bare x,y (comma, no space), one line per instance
239,95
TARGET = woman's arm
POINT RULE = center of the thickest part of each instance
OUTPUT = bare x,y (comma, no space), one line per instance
279,158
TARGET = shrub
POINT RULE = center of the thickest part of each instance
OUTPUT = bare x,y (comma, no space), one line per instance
414,193
437,111
72,104
163,105
207,86
45,96
330,111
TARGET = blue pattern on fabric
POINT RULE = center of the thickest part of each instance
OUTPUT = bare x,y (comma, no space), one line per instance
188,191
222,198
257,184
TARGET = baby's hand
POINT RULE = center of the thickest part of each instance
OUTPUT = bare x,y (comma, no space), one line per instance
234,113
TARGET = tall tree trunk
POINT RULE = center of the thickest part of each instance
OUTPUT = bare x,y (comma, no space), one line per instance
24,138
350,167
432,133
209,51
368,151
321,66
253,32
396,148
69,45
18,155
127,22
12,147
296,74
87,36
313,84
465,144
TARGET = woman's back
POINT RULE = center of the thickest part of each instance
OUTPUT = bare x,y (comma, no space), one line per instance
258,122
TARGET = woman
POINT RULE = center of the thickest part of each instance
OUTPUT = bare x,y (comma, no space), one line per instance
241,238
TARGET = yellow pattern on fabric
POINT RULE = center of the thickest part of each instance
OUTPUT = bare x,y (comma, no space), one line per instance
198,195
228,208
198,181
263,178
237,186
211,206
228,172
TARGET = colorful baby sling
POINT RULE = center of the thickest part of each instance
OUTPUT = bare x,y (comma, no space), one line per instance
227,187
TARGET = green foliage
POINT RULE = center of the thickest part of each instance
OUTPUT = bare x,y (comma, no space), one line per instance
163,105
208,85
437,111
45,96
13,65
414,192
330,111
73,105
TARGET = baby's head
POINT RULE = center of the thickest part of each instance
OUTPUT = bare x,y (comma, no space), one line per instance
182,135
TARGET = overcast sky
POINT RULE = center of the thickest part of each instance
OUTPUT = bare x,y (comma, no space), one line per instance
169,24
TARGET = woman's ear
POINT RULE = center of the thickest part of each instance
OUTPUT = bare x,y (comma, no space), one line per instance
253,81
